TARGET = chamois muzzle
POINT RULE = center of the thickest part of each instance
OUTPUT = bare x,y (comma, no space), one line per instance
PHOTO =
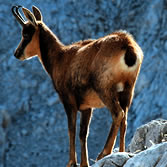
18,53
16,13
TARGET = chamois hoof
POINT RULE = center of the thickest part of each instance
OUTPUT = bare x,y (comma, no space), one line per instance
100,156
75,165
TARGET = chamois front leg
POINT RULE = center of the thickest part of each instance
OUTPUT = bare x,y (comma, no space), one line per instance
71,111
84,128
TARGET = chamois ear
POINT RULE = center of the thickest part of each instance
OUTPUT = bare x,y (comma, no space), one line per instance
37,13
29,15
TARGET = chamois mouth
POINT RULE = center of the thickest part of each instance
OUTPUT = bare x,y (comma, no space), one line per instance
19,55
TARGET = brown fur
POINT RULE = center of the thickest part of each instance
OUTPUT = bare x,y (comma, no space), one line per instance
33,47
89,74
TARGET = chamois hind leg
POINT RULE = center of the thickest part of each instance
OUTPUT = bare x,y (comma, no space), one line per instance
123,128
110,99
84,128
71,111
125,99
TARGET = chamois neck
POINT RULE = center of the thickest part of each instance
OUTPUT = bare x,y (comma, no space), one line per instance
50,47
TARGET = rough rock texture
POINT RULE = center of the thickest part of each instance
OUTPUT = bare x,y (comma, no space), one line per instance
113,160
4,122
155,155
37,135
149,134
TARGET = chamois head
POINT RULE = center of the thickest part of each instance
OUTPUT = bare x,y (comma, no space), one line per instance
29,45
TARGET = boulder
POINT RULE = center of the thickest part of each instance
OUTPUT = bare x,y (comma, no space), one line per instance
149,134
148,148
113,160
153,156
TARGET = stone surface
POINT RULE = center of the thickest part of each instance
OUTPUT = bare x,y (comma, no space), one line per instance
153,156
149,134
4,122
113,160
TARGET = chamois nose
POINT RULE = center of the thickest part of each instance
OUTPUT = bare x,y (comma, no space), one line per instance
17,53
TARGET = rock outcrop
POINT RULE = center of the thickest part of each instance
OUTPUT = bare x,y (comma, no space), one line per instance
114,160
153,156
149,134
148,148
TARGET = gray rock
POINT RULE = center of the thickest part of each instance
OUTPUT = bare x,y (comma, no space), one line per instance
113,160
153,156
146,138
149,134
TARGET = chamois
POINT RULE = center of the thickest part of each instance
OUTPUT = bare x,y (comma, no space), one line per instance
86,74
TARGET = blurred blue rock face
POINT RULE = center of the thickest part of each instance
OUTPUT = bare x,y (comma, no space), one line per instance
37,135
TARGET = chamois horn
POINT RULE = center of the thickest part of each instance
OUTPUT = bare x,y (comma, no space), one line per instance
16,13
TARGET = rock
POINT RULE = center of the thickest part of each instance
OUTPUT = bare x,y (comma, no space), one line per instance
146,138
4,122
149,134
24,132
113,160
52,100
153,156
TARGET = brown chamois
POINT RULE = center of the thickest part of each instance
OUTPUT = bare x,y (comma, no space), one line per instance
87,74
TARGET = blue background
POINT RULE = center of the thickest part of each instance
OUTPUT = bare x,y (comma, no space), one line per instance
37,134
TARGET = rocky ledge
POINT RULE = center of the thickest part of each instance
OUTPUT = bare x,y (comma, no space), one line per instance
148,148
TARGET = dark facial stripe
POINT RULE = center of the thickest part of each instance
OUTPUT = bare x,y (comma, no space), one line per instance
27,34
28,29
